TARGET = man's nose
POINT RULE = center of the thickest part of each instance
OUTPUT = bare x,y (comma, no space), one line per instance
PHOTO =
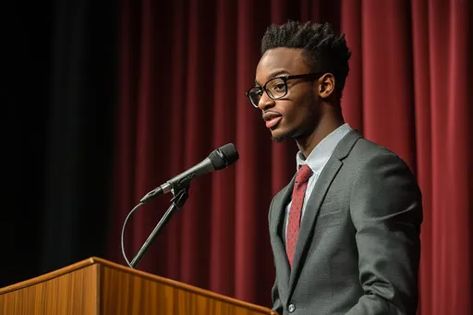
265,101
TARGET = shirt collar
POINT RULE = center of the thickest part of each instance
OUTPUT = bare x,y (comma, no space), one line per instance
323,150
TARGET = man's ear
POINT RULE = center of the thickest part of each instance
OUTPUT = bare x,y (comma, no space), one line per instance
326,86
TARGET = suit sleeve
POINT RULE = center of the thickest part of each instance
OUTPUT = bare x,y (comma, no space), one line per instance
277,305
386,210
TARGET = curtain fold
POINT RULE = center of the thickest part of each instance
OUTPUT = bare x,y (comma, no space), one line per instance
184,68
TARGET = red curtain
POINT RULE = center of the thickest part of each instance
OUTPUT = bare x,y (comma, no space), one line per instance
184,67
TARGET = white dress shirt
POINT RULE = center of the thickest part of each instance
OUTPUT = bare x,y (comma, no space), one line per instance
317,160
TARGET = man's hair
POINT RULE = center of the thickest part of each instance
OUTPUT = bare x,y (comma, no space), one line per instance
325,49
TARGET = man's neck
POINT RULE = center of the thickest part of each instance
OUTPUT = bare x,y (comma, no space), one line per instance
326,126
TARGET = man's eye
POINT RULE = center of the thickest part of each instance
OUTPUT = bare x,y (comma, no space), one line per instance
279,87
258,91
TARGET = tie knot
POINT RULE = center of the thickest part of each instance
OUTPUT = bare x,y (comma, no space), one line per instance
303,174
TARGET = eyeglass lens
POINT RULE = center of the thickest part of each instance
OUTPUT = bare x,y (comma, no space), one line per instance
275,88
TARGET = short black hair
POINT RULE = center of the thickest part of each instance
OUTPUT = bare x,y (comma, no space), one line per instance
325,48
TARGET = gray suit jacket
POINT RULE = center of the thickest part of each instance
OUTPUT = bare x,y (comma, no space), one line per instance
358,247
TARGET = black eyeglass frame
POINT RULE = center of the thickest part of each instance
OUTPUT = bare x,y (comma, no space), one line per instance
262,89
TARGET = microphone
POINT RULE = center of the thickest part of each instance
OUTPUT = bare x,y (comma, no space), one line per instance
217,159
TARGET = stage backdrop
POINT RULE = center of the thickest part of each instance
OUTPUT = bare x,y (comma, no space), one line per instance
183,69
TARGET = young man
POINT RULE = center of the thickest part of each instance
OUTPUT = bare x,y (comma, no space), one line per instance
345,230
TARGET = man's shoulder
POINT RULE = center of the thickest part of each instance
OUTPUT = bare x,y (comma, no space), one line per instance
368,147
367,154
357,153
365,150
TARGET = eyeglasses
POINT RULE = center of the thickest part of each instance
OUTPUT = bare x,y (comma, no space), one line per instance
276,88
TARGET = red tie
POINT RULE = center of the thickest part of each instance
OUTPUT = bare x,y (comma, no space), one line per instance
300,186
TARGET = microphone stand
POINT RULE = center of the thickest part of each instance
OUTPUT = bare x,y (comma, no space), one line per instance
177,202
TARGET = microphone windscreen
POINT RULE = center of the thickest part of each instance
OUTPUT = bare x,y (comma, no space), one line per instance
223,156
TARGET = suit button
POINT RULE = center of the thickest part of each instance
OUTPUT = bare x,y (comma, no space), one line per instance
291,308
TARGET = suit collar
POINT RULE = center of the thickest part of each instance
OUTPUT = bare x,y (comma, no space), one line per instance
346,145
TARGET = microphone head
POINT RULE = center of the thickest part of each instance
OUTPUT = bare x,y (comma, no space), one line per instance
223,156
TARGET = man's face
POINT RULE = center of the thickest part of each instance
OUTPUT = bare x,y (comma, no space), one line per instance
295,115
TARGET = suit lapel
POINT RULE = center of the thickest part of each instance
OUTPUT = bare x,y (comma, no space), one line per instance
315,200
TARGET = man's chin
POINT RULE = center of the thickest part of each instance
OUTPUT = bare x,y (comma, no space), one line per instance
283,136
279,137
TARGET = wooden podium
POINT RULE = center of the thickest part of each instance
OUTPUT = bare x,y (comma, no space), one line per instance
99,287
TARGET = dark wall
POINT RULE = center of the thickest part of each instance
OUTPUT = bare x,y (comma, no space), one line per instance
26,39
58,65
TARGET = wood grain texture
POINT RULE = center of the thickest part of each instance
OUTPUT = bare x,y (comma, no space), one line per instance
99,287
124,292
72,293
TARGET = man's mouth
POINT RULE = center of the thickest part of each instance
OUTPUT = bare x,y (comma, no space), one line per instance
271,119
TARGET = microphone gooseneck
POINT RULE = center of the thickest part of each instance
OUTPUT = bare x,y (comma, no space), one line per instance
217,159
